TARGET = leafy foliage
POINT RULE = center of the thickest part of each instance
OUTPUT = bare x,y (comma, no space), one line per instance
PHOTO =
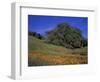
37,35
67,36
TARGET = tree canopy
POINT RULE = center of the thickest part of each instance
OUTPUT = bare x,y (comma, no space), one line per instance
67,36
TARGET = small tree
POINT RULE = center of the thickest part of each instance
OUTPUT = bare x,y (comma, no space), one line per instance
37,35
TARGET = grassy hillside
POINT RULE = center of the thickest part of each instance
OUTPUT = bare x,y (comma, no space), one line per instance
41,53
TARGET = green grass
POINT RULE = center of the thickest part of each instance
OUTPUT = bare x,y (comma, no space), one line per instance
81,51
37,45
42,54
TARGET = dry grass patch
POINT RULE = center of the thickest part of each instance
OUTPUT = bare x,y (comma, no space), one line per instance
36,59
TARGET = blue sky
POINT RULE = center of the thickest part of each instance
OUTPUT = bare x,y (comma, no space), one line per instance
41,24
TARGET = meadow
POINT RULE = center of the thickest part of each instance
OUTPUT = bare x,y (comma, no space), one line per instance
43,54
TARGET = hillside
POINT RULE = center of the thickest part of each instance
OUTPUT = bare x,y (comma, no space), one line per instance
41,53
